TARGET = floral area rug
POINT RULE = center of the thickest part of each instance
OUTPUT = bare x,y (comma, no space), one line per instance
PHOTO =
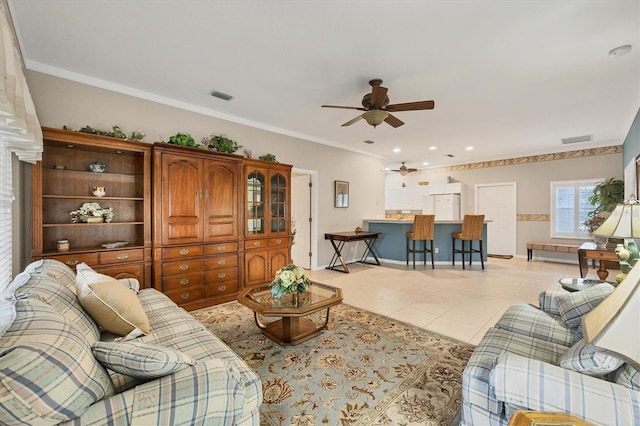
364,369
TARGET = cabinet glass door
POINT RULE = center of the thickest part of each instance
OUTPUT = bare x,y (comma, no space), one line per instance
255,203
278,187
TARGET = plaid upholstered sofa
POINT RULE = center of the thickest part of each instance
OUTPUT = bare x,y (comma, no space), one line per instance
57,366
535,359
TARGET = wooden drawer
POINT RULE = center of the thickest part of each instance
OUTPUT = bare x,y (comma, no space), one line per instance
124,271
185,295
278,242
213,249
182,267
255,244
72,260
120,256
213,290
220,275
221,262
185,281
181,252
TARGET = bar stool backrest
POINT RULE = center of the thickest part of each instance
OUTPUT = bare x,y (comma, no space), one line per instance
472,227
423,225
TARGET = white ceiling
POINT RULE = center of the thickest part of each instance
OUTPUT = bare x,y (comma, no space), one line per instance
509,78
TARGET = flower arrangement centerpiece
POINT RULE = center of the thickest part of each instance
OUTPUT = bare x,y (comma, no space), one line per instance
92,212
290,279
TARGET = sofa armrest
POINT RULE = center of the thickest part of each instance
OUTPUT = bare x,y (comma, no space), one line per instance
538,386
210,392
547,301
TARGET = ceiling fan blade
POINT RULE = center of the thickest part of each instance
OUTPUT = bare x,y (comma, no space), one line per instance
343,107
378,97
411,106
393,121
350,122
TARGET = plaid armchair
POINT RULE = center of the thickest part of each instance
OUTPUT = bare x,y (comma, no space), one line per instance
535,359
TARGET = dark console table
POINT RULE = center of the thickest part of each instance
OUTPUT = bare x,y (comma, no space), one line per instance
339,239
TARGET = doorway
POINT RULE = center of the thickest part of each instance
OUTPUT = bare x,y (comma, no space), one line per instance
303,212
497,201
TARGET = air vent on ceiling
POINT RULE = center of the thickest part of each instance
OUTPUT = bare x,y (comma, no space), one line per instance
449,155
369,141
221,95
577,139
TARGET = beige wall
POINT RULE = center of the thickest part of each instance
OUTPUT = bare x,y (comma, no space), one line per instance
62,102
533,186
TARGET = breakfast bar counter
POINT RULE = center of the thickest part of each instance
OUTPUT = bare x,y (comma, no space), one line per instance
392,241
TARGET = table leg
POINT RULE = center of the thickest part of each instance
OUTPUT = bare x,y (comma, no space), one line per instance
337,256
369,250
602,271
584,263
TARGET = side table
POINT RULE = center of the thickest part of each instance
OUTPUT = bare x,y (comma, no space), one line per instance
591,251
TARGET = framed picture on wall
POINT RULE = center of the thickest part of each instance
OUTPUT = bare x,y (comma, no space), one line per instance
342,194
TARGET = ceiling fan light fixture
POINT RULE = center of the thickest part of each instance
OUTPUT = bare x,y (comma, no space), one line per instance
375,117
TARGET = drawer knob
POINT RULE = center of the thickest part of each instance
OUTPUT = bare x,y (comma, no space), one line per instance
72,262
222,262
184,267
122,256
222,275
184,296
278,241
222,288
256,243
184,281
184,251
222,248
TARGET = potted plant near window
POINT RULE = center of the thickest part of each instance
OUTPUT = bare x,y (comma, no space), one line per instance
606,195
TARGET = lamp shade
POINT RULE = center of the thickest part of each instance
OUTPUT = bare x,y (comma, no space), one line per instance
375,116
624,222
613,324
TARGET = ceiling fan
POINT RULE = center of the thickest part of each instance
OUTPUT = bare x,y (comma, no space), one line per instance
376,107
404,170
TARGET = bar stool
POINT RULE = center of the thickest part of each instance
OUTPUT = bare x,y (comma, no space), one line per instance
471,230
423,225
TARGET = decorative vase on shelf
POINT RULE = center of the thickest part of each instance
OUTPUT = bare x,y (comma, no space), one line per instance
95,219
296,299
99,191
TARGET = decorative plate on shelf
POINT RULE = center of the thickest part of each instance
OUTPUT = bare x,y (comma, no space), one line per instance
115,244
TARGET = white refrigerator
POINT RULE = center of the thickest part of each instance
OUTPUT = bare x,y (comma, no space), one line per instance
446,206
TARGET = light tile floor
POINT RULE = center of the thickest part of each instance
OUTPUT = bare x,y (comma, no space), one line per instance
462,304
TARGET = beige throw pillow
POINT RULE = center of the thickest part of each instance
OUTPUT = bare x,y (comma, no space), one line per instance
112,306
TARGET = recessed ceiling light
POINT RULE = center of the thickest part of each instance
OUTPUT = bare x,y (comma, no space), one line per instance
620,50
433,148
221,95
425,163
469,148
396,149
369,141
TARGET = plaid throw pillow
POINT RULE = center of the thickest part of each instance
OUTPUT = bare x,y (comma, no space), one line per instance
588,359
140,360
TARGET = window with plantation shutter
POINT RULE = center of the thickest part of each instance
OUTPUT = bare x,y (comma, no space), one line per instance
570,207
20,131
6,198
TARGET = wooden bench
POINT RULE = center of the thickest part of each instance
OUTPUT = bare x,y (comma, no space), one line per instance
561,248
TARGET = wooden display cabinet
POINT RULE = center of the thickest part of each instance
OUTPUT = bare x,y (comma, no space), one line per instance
62,182
196,223
267,220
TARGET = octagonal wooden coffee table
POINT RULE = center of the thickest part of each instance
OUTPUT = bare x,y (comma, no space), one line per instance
293,327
